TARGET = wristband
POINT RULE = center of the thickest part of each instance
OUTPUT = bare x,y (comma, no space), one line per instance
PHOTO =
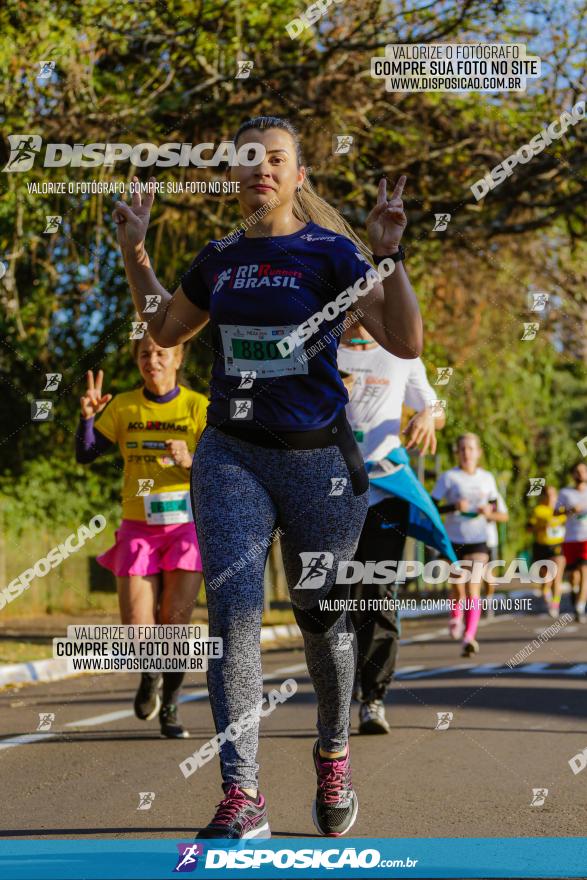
399,256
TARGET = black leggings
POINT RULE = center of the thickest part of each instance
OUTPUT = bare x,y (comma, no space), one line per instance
378,630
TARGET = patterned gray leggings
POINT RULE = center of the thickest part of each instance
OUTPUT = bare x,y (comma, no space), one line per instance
241,493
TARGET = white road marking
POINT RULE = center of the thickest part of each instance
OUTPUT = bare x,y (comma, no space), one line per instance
428,673
578,669
409,673
97,720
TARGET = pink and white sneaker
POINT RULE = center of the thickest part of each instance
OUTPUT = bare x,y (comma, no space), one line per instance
456,628
237,817
335,809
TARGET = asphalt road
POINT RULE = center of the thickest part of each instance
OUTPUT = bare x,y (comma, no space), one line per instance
512,731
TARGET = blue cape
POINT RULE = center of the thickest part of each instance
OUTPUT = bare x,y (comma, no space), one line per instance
424,521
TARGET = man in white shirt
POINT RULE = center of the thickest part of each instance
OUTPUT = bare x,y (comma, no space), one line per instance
382,383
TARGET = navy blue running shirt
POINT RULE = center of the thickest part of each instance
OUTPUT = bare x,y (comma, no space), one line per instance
257,291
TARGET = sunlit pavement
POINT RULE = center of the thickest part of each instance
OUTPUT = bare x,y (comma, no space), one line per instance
513,729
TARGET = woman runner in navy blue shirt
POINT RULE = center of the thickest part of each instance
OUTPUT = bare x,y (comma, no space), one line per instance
278,452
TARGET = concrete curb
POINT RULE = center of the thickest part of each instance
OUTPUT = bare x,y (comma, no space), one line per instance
56,669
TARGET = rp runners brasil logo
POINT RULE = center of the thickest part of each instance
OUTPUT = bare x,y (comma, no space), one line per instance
187,859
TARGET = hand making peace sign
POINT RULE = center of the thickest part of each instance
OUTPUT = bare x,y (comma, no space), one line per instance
387,220
133,220
93,401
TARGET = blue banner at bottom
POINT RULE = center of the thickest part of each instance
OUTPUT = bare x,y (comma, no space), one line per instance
510,857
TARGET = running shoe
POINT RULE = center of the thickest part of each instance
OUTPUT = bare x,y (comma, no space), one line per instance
469,648
554,609
170,726
372,717
237,817
456,628
335,809
147,699
580,614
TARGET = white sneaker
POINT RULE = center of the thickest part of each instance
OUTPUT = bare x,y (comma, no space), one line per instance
456,628
372,717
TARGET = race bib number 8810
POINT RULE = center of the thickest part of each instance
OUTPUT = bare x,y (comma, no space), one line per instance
255,348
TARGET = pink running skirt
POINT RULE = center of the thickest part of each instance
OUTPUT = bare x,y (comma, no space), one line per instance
143,549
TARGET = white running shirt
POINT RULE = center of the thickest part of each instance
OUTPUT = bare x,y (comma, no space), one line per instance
576,526
382,383
478,489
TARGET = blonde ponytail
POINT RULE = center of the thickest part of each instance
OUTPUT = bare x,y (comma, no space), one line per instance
307,204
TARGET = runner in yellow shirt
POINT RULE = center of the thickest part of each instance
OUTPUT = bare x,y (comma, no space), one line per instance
549,532
156,558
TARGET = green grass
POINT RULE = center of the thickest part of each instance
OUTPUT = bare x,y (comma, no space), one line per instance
22,652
